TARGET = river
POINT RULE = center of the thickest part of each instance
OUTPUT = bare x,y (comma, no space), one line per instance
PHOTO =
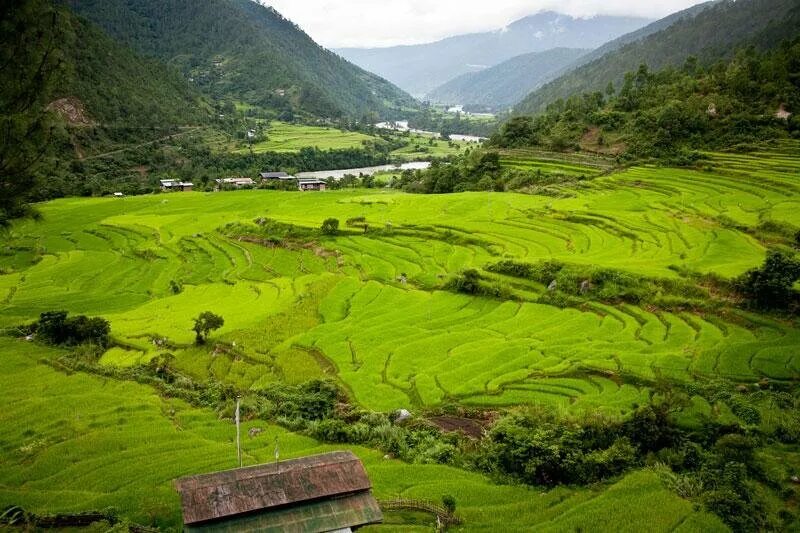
365,171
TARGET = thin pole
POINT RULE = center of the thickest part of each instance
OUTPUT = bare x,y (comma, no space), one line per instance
238,441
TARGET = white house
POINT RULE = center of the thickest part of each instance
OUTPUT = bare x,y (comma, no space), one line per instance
236,183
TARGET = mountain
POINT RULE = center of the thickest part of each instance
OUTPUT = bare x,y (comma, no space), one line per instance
419,69
710,32
668,114
244,51
504,85
104,83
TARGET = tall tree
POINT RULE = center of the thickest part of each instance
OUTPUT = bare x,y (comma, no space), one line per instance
29,61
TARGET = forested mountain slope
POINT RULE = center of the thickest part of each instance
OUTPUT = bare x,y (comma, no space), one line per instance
421,68
710,35
105,83
245,51
504,85
670,113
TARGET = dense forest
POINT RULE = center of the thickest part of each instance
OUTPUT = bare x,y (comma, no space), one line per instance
696,32
657,114
117,88
243,50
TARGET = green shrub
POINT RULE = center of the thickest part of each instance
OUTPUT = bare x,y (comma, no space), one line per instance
330,226
771,285
449,503
55,327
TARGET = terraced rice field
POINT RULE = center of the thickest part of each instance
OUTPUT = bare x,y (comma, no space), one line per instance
338,307
420,147
105,443
530,159
284,137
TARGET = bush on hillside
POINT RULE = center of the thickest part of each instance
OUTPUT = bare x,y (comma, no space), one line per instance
330,226
771,285
57,328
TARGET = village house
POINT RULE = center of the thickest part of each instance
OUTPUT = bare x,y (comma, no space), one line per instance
236,183
283,176
176,185
328,492
311,184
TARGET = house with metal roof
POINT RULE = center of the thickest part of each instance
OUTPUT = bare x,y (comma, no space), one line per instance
321,493
236,183
176,185
276,176
311,184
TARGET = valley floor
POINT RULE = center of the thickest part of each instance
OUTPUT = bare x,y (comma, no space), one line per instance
369,309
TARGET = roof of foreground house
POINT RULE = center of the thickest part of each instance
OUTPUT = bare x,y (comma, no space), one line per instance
318,493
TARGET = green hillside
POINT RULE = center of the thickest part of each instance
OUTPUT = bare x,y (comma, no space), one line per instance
709,35
504,85
242,50
589,322
752,97
571,381
115,87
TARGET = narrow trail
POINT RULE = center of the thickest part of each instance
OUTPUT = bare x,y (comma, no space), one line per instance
121,150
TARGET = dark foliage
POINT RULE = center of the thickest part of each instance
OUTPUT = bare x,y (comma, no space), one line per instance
330,226
664,114
242,50
772,285
204,324
56,328
31,33
449,503
313,400
540,450
710,32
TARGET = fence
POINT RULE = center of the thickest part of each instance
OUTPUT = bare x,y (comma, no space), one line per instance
443,516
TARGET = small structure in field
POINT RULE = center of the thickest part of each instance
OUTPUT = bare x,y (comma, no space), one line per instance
118,195
236,183
311,184
282,176
328,492
782,113
176,185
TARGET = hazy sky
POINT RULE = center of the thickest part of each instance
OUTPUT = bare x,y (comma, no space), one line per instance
366,23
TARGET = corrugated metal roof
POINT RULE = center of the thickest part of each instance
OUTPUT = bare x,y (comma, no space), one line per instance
246,490
359,509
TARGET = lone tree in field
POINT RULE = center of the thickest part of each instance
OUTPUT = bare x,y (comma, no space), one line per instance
330,226
204,324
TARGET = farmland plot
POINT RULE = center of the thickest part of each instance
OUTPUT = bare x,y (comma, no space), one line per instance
372,309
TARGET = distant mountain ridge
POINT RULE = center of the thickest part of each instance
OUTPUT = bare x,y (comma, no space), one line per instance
246,51
419,69
500,87
710,32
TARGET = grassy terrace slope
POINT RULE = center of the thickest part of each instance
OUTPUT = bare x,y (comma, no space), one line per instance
334,306
283,137
80,442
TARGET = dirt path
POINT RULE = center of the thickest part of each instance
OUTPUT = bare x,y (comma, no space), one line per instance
121,150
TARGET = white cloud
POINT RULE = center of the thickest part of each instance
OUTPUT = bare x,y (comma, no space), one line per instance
367,23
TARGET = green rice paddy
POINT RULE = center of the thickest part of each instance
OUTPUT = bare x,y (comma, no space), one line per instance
337,307
285,137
